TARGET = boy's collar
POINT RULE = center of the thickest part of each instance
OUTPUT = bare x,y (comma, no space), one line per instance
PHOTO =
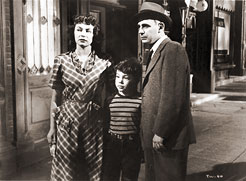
136,94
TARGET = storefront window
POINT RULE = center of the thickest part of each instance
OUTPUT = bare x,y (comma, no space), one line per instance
222,34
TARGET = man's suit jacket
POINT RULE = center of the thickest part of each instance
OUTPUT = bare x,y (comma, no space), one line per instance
166,98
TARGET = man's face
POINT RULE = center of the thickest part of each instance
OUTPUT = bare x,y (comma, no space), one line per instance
83,34
149,31
124,82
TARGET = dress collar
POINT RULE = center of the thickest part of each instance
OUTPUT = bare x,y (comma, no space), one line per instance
91,61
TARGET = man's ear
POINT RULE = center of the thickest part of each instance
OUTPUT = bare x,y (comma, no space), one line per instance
161,26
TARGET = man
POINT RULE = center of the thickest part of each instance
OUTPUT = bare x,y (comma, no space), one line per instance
167,127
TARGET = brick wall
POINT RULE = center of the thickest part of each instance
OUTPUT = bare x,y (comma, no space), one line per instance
8,64
7,150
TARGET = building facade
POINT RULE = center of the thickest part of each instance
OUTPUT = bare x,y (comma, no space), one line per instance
33,32
215,42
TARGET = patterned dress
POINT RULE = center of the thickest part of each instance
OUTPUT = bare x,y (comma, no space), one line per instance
79,128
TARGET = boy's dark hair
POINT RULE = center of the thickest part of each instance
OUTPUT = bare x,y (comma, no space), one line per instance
130,66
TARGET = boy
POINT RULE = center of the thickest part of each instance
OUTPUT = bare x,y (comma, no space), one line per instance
122,153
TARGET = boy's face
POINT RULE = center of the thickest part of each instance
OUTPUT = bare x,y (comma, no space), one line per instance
124,83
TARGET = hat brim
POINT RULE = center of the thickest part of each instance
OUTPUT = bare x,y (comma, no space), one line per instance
148,14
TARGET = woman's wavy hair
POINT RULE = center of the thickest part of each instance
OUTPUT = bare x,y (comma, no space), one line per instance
89,20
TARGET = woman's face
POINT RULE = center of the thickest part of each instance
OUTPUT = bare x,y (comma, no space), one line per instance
83,34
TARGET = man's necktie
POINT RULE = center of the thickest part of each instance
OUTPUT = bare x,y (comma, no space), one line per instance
149,58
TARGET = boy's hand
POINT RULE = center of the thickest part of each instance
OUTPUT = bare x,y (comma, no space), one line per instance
95,113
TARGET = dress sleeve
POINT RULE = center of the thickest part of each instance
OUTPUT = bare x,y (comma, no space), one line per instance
56,77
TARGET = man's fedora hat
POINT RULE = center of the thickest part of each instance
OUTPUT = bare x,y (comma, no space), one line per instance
151,10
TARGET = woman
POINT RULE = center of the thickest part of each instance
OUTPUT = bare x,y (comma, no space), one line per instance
75,128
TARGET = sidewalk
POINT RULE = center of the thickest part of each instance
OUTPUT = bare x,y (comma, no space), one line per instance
197,99
220,124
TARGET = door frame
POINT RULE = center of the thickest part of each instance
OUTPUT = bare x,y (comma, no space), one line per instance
28,143
20,68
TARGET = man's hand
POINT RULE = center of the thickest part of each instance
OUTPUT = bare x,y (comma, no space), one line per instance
158,142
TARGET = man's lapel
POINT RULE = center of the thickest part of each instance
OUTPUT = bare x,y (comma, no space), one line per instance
154,60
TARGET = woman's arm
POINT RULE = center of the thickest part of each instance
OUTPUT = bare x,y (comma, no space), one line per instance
55,102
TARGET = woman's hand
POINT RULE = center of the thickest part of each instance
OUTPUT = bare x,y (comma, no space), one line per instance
51,135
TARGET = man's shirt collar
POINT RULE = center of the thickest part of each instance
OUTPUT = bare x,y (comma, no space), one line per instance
157,44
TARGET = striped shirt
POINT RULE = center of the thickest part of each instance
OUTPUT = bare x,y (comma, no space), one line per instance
125,115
